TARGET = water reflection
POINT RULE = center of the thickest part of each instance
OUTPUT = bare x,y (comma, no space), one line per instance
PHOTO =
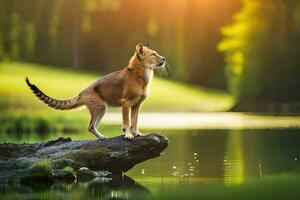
229,156
101,188
116,188
251,164
234,165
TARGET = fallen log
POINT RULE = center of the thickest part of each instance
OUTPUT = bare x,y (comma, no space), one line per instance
114,155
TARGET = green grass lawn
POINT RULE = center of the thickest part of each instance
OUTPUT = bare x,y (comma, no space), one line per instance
19,105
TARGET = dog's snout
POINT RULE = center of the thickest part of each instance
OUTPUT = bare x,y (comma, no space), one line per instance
162,61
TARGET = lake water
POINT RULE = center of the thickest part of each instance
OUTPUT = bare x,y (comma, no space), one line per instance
198,164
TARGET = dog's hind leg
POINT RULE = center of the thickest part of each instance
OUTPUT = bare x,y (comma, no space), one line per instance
97,109
96,116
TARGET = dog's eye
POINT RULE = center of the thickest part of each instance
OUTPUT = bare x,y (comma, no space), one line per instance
153,54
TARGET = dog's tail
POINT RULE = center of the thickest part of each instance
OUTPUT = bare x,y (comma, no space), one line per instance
54,103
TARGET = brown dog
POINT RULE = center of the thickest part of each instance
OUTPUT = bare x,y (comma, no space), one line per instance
128,88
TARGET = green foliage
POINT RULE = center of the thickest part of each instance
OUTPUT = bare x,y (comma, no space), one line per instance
40,173
262,52
42,167
69,170
69,174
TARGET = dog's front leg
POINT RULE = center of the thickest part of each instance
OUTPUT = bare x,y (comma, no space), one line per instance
126,105
134,119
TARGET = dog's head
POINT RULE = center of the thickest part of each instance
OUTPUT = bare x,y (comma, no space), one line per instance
149,58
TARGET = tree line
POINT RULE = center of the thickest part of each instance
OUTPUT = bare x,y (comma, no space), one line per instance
262,49
101,35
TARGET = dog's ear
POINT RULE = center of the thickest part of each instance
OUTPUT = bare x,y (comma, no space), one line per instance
140,49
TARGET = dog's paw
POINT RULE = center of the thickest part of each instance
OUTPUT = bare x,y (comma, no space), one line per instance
128,136
102,138
137,133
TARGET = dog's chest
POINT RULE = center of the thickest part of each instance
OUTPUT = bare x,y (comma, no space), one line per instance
149,77
144,91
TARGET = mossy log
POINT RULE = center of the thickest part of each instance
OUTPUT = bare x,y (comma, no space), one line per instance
115,155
